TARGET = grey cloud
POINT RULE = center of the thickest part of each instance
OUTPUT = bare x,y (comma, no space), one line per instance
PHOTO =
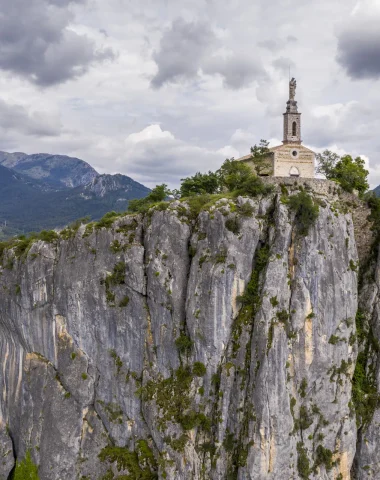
190,47
183,49
236,71
277,44
36,44
292,39
343,124
283,64
359,48
17,118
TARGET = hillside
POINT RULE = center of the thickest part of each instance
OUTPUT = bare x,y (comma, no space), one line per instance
28,205
56,170
197,341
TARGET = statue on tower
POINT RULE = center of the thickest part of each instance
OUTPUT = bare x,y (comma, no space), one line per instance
292,88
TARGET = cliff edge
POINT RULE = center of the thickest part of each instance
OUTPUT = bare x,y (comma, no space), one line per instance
213,342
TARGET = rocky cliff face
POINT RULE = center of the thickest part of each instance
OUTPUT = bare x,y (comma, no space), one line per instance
219,345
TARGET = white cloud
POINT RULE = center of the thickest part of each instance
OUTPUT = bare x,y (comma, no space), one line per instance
154,156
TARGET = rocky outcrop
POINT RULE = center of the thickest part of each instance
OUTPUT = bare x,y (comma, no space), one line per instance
214,344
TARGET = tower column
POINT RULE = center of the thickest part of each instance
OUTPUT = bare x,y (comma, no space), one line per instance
292,118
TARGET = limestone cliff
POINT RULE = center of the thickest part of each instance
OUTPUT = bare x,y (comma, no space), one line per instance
218,344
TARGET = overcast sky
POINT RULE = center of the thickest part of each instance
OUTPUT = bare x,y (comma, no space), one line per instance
160,89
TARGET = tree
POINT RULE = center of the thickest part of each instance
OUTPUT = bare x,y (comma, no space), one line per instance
260,156
348,172
233,174
326,162
158,194
200,183
351,174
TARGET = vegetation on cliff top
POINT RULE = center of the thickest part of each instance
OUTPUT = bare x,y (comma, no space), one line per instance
347,171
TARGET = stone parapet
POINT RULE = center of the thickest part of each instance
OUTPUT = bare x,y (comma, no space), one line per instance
317,185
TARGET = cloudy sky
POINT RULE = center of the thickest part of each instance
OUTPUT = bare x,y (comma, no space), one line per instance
160,89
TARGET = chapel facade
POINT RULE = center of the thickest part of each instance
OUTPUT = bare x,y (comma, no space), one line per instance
291,159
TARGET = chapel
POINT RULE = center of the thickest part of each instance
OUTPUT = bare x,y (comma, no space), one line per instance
291,159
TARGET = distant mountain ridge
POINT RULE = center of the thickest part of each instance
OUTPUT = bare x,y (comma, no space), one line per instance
57,170
53,200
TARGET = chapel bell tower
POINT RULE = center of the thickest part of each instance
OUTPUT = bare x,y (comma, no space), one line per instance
292,119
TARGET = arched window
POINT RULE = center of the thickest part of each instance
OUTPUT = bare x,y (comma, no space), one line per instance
294,172
294,129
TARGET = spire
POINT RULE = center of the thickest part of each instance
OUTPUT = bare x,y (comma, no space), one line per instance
292,119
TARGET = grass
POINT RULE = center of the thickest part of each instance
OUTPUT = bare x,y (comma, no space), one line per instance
25,469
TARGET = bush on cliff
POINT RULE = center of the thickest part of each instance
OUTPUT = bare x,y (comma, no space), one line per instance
306,211
347,171
200,183
141,205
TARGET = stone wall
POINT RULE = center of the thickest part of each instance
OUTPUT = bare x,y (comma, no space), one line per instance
284,160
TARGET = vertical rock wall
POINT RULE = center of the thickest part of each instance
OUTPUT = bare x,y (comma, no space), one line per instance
220,345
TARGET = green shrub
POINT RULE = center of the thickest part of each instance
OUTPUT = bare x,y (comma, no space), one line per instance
347,171
324,457
172,395
229,442
140,463
194,419
252,295
254,186
117,359
48,236
303,464
221,256
303,387
246,210
364,391
124,302
274,301
233,174
333,340
184,343
306,211
305,419
118,275
232,224
199,369
282,316
142,205
197,203
353,266
200,183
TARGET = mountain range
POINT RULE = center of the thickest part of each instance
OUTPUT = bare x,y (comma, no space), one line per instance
43,191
